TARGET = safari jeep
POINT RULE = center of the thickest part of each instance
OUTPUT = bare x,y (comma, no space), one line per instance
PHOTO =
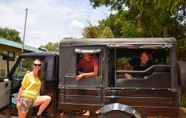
119,90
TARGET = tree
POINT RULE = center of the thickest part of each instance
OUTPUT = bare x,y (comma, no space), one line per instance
141,5
151,17
52,47
147,18
97,32
10,34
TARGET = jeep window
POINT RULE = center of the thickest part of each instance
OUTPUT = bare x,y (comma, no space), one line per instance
3,70
23,66
83,65
128,65
90,77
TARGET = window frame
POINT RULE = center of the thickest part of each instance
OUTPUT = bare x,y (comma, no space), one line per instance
74,83
168,65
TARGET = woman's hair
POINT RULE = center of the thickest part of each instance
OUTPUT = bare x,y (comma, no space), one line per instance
148,53
40,72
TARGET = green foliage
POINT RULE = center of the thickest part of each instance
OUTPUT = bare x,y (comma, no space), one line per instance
10,34
183,101
146,18
164,5
52,47
90,32
181,49
121,27
97,32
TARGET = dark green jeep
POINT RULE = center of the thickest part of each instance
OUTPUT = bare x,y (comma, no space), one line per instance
122,85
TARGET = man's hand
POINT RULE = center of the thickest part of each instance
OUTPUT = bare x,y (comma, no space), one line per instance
128,76
78,77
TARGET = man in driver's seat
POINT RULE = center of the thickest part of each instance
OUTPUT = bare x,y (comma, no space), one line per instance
87,67
145,61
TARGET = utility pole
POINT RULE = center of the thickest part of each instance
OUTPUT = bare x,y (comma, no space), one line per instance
26,14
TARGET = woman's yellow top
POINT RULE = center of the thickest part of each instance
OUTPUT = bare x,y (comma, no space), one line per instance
31,86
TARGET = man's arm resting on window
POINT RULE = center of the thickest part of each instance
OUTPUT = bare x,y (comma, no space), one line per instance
88,75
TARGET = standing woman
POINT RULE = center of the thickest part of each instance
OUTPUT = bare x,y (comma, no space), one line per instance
29,92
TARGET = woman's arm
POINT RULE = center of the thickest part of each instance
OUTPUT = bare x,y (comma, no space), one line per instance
24,84
20,92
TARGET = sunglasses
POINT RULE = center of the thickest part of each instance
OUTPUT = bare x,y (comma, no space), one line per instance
37,65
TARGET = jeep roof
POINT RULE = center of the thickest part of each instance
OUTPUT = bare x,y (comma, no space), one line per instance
115,42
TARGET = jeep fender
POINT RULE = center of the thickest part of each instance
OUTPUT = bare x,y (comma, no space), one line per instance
125,109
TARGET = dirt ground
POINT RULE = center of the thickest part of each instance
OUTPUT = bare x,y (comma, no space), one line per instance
182,112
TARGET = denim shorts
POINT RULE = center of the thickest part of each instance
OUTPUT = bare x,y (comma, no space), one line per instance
24,104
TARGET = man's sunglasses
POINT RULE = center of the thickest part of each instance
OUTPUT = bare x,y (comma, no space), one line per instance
37,65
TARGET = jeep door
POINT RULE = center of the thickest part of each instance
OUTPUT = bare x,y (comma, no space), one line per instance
84,93
5,88
148,90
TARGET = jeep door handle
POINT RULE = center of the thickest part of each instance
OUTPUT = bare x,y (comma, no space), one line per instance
6,85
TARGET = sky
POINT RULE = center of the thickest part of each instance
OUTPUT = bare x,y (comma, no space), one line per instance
49,20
